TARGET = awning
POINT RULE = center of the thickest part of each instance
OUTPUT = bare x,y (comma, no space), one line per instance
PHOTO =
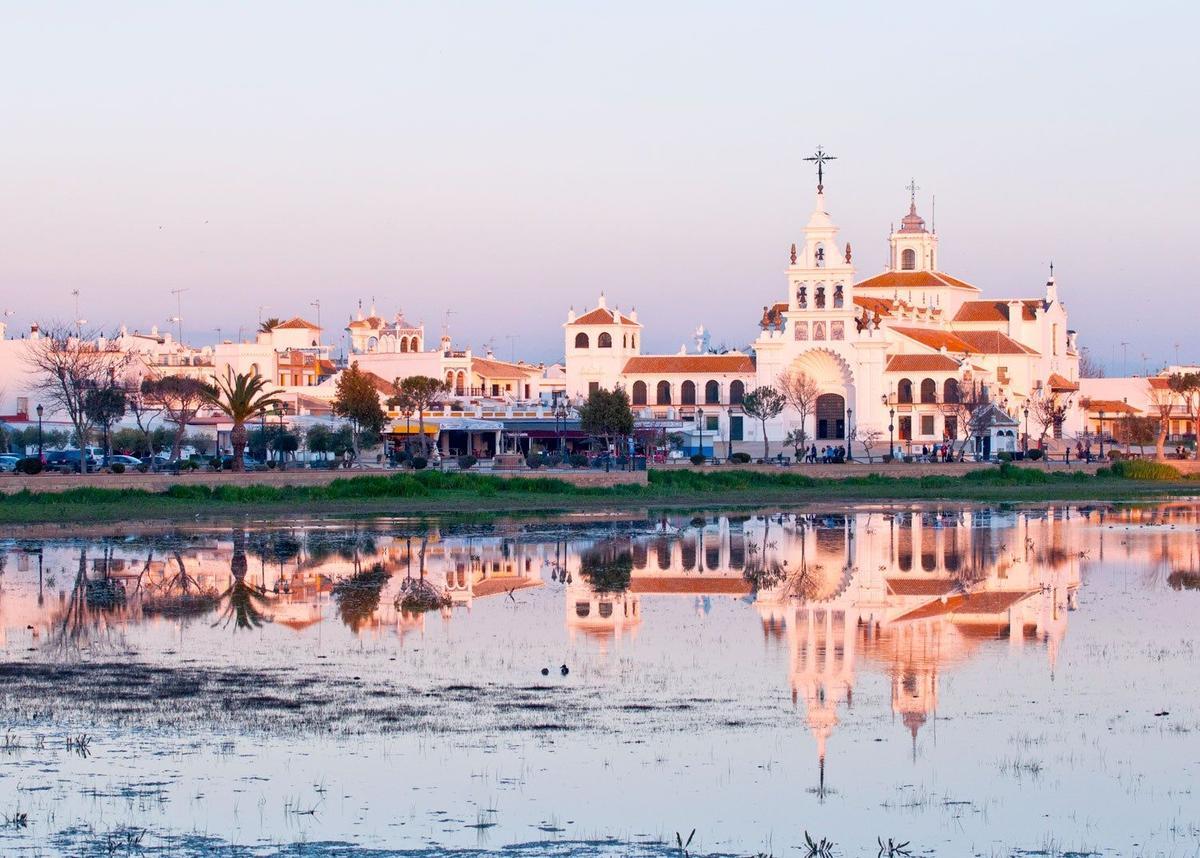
431,429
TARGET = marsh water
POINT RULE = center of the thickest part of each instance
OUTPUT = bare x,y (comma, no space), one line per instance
967,679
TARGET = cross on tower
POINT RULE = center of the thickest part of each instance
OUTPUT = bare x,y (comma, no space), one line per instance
912,187
820,159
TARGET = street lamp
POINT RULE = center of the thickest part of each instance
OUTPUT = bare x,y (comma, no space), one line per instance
891,427
1026,445
41,453
729,434
849,434
700,426
1101,435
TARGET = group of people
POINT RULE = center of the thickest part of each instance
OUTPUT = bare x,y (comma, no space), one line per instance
936,453
829,455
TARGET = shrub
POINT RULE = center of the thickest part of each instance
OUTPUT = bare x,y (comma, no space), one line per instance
465,463
214,463
419,463
30,465
740,458
535,460
1115,455
577,460
118,468
1034,455
699,458
1138,470
1006,456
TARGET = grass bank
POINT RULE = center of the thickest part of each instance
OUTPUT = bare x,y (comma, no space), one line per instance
435,492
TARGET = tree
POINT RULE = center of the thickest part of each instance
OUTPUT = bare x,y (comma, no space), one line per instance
357,400
418,393
65,365
1162,397
180,398
869,438
319,439
1050,411
104,406
800,391
966,409
607,414
1133,430
763,404
1089,367
1187,388
268,325
144,410
241,397
797,441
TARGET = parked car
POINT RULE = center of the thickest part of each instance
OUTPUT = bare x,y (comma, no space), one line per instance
8,464
67,461
249,463
121,459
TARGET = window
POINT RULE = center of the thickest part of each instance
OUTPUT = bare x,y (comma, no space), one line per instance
404,344
663,396
906,428
819,256
802,297
372,343
581,340
735,428
460,383
712,393
415,344
711,422
929,390
908,259
819,298
593,386
687,393
639,393
624,341
904,391
495,390
950,392
950,428
604,341
737,390
633,341
1054,338
927,425
839,295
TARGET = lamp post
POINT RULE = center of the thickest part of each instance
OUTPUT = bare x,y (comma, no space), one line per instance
1101,435
41,451
700,426
891,428
729,434
282,454
849,434
1026,444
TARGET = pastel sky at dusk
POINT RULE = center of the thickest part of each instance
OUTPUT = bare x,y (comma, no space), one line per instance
507,160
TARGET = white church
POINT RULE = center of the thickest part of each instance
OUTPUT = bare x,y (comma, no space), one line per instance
894,349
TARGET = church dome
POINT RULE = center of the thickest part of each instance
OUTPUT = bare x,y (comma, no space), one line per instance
912,222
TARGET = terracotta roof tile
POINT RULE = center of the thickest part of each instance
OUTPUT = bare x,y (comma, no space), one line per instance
297,323
1110,406
920,586
715,584
1058,382
659,364
882,306
489,368
602,316
994,311
989,602
922,363
913,280
966,342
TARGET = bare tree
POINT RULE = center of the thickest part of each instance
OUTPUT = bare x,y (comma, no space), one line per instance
1162,397
1187,388
801,392
1050,411
965,407
67,368
869,438
181,398
1089,367
145,409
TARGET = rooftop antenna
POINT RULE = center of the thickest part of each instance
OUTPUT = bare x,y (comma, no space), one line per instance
178,318
317,304
1124,358
79,323
512,348
933,215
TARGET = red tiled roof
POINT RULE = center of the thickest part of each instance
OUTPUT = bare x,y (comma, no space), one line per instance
1058,382
994,311
689,363
602,316
296,323
498,586
971,604
489,368
913,280
919,586
1109,405
381,384
922,363
966,342
715,584
882,306
1157,382
369,322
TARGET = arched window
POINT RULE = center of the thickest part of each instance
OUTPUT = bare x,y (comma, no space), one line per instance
712,393
404,344
839,295
819,256
604,341
639,393
581,340
950,392
929,390
449,380
663,394
372,343
819,298
687,393
904,391
908,259
414,344
633,341
624,341
737,390
460,383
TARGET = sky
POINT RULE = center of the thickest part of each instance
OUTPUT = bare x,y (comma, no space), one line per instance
505,161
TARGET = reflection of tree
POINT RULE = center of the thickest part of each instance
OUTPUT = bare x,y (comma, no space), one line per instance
608,567
764,570
179,595
91,603
244,603
418,595
358,595
1184,579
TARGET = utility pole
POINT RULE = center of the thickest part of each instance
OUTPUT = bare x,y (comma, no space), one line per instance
317,304
78,321
512,348
178,320
1124,358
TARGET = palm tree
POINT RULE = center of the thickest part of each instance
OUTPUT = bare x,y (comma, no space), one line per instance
268,325
241,397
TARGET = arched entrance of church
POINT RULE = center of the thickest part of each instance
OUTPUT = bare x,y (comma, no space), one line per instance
831,417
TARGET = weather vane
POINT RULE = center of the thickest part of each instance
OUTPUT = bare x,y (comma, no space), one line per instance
820,159
912,188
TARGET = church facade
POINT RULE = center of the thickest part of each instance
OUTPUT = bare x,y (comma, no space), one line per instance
897,349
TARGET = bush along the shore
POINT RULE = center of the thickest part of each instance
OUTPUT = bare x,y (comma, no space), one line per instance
1137,469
